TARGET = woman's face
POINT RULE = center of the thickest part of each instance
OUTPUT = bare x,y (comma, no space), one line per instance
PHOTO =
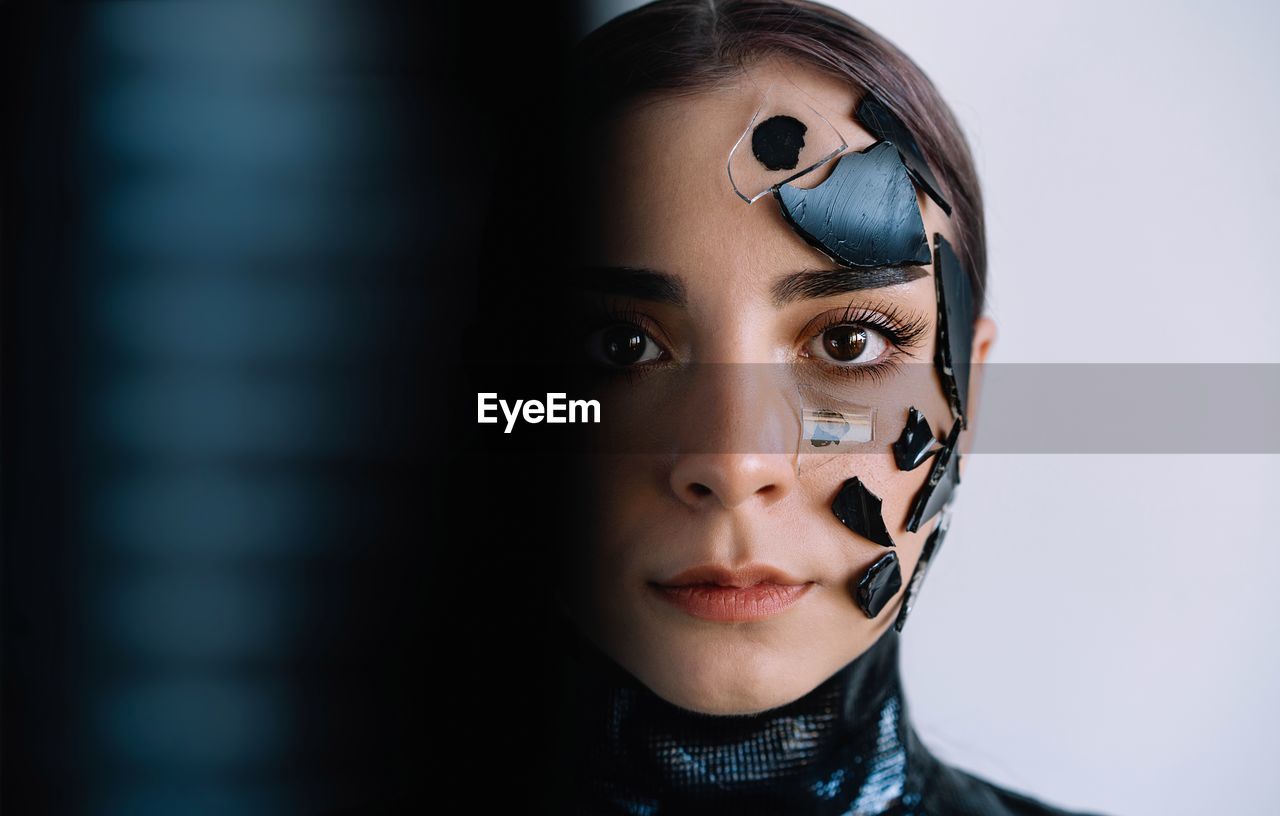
666,205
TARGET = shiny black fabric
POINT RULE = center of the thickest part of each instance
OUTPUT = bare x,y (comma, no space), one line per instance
847,747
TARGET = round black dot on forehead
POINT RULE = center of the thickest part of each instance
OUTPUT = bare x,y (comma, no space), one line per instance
777,142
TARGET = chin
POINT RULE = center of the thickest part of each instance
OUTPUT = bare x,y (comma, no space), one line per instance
736,677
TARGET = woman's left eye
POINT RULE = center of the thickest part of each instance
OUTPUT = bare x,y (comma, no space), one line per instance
849,344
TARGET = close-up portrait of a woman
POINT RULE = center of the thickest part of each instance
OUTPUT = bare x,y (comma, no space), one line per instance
752,236
760,254
620,408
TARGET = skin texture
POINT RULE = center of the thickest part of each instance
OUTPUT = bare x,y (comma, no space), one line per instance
665,202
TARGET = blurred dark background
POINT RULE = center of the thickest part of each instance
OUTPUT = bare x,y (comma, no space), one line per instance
240,244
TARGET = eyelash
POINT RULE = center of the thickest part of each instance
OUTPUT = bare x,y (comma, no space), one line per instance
902,331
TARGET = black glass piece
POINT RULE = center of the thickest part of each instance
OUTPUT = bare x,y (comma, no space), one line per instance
859,510
879,583
864,214
916,444
942,481
881,123
777,142
955,325
931,546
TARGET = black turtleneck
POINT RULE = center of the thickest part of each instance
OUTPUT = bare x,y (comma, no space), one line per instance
847,747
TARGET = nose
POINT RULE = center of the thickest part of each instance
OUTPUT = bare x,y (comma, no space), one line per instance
738,441
730,479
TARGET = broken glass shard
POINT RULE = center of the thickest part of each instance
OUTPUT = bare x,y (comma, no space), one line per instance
864,214
785,139
879,583
881,123
859,510
955,325
828,426
916,444
931,546
942,481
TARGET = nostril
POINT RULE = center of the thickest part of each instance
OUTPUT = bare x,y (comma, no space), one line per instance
700,489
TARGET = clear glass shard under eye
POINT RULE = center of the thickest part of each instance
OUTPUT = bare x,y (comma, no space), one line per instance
831,426
785,139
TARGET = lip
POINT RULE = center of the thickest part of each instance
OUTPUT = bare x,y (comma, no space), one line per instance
717,593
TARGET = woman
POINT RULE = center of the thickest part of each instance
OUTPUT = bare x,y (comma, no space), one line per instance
775,237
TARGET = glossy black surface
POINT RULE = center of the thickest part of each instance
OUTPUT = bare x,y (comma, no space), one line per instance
860,510
864,214
777,141
881,123
916,443
944,476
955,325
878,584
846,747
931,546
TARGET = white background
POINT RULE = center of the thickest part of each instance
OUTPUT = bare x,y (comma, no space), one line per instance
1104,631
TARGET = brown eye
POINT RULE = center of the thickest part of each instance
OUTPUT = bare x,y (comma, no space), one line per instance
844,343
850,343
622,344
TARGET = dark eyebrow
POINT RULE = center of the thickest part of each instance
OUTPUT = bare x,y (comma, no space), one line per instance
636,282
649,284
817,283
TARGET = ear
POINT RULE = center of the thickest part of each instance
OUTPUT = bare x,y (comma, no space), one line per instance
984,336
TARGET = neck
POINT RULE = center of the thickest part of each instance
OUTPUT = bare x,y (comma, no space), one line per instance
845,747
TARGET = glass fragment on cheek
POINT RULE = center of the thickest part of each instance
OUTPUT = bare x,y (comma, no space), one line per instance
916,444
878,584
931,547
865,214
830,426
938,488
784,140
881,123
860,510
825,426
955,326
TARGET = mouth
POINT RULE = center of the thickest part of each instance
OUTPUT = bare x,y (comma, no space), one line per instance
716,593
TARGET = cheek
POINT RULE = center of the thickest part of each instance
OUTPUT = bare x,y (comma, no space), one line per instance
896,489
626,510
850,548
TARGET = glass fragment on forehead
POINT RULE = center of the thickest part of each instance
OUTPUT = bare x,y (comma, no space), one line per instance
864,215
786,138
881,123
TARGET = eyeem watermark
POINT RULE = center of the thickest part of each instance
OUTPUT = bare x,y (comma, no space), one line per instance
558,409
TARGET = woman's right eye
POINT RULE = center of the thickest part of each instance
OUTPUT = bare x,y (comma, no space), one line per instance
622,344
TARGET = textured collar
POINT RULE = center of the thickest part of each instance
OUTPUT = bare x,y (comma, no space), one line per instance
846,747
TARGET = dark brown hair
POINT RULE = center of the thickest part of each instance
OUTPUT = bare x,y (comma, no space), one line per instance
685,46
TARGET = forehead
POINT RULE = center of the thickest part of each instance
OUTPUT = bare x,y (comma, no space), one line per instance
709,122
663,183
